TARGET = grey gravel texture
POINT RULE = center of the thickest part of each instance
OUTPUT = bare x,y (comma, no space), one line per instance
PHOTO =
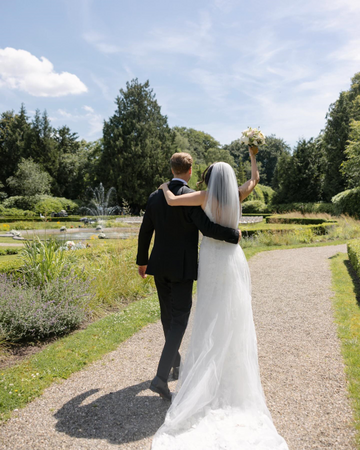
108,405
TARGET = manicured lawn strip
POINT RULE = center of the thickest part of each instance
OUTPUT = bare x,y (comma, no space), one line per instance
21,384
9,240
252,251
346,301
70,354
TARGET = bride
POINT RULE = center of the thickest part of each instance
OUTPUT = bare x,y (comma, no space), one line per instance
219,402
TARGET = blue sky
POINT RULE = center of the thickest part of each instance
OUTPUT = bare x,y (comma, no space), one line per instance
216,65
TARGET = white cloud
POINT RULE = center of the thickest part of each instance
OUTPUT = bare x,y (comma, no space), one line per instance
348,52
98,41
21,70
88,109
192,39
95,120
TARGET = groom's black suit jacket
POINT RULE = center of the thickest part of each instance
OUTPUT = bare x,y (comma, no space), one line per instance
175,251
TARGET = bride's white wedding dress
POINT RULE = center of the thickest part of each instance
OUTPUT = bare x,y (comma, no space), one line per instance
219,402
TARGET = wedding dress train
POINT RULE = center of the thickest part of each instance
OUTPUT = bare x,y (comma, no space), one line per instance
219,403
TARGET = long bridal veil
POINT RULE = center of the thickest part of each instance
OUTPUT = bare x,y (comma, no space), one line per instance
219,403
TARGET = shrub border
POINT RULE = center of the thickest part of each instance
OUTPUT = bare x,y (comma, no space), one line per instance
353,249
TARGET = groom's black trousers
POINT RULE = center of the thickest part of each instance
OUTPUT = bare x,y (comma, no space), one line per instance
175,297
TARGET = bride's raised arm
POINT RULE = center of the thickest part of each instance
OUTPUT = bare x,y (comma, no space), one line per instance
246,189
192,199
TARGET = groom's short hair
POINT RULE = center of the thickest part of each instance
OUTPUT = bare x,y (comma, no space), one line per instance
181,163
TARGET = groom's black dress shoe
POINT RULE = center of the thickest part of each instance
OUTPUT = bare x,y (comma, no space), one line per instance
175,373
161,388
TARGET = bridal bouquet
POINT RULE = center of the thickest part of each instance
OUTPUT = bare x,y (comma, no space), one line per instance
252,137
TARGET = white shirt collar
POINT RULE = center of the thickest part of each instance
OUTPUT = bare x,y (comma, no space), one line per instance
179,179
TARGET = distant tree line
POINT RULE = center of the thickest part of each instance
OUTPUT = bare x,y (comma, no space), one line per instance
133,155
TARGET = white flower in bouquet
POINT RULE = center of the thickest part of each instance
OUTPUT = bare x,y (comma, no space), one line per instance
252,137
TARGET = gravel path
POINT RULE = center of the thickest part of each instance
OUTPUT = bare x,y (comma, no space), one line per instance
108,404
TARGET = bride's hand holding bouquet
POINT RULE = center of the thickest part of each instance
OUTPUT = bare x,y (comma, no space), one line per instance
253,138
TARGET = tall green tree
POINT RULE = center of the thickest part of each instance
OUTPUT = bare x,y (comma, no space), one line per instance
299,178
43,147
198,144
137,145
77,169
351,166
336,136
29,179
219,154
267,157
14,129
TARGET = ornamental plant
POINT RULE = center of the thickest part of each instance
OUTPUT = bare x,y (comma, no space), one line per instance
30,313
44,261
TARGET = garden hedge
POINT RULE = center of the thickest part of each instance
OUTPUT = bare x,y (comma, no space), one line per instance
38,219
353,249
320,230
297,220
305,208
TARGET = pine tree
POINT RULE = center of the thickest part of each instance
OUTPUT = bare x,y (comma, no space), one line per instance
241,175
14,131
137,145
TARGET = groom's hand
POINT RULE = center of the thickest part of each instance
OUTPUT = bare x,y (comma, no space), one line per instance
142,270
239,236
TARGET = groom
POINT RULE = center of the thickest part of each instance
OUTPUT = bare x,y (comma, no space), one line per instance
173,262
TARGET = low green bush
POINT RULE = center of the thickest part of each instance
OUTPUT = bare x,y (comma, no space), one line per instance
11,266
348,202
268,193
256,195
255,206
30,313
15,212
9,251
262,193
353,249
304,208
297,220
46,205
41,204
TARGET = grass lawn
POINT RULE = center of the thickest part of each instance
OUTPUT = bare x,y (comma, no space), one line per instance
346,301
9,240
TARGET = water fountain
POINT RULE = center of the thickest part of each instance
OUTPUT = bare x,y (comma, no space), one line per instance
99,204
